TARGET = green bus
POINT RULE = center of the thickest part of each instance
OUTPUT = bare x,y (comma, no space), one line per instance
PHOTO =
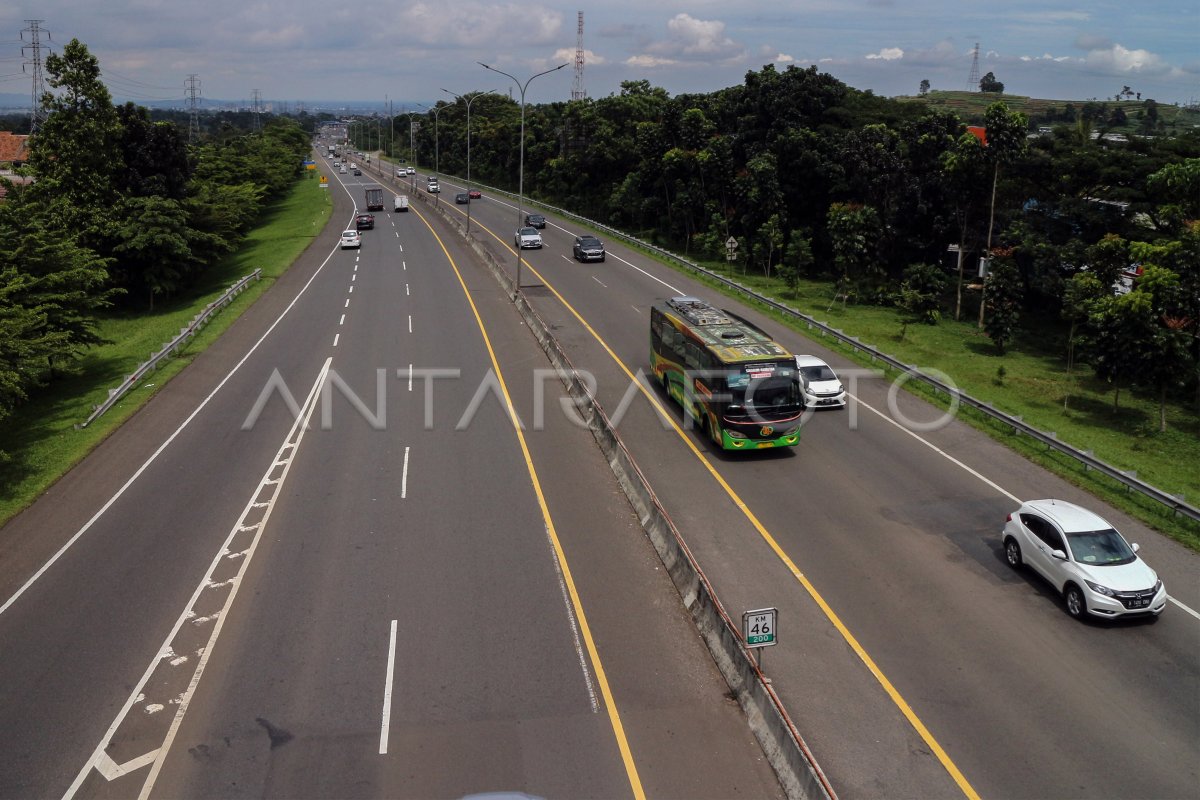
741,387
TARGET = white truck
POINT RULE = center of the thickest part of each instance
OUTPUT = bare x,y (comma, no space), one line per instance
401,202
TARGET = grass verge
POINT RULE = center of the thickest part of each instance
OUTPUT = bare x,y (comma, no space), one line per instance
40,440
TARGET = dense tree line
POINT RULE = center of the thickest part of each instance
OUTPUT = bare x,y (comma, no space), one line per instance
121,211
816,179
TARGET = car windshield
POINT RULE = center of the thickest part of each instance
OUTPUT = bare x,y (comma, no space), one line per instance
821,373
588,242
528,232
1104,548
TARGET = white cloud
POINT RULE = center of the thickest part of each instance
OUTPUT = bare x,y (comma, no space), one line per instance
887,54
1122,59
474,24
784,58
647,61
568,54
691,39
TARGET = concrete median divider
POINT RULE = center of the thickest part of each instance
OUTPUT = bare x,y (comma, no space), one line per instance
785,749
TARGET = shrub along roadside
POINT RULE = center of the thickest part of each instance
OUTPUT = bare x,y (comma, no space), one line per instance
39,437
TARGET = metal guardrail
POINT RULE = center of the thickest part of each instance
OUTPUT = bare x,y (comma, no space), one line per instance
170,347
1129,479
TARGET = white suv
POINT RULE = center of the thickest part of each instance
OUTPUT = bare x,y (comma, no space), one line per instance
1084,558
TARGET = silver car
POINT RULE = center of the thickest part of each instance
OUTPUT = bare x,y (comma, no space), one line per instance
1084,558
527,238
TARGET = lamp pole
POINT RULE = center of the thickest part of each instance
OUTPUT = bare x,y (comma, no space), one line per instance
469,100
521,169
412,153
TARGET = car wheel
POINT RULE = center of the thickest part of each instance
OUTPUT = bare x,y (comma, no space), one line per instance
1076,604
1012,553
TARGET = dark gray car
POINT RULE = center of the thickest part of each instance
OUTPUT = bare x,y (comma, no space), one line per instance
588,248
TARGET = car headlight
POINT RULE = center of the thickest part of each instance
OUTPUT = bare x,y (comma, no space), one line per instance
735,434
1104,590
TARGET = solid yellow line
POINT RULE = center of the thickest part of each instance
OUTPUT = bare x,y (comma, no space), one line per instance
610,705
887,685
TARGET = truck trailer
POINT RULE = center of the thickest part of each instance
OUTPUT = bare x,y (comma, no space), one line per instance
374,199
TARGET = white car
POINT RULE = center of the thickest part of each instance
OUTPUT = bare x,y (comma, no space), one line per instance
351,239
401,172
822,388
412,171
1084,558
526,238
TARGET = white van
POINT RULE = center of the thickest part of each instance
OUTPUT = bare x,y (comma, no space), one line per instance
401,203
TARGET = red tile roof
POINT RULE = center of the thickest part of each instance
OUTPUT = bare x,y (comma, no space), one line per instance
13,147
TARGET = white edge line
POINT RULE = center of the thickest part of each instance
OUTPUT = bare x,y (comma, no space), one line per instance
87,525
387,693
404,477
129,703
297,431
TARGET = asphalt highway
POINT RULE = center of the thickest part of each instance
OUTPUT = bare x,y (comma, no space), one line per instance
915,662
342,555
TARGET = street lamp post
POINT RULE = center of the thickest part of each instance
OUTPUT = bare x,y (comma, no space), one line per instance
412,152
521,172
437,164
469,100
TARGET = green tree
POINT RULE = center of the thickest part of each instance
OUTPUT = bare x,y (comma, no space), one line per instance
924,89
1002,290
920,294
965,169
853,230
988,83
75,155
1006,143
1079,295
797,258
1120,328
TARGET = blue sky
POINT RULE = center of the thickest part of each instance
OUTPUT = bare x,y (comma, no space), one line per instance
409,50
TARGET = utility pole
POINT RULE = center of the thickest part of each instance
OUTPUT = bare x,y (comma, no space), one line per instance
193,95
33,54
257,94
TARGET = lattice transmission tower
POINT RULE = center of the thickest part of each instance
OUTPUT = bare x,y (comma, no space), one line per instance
193,94
577,92
33,59
973,78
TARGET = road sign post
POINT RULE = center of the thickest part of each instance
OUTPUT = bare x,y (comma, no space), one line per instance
731,246
759,630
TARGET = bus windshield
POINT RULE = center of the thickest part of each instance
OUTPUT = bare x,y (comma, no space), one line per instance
764,387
